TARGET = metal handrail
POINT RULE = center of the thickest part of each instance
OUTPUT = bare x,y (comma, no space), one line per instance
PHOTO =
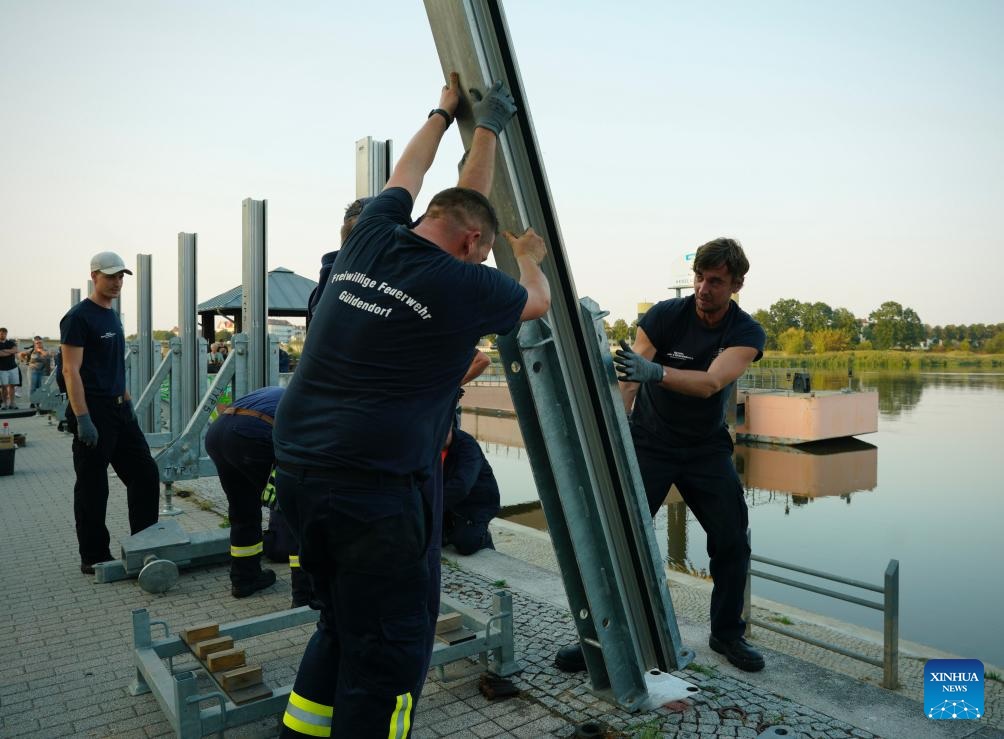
889,607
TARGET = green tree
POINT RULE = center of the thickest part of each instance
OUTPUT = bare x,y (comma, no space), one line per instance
995,345
843,320
893,326
792,341
815,316
829,340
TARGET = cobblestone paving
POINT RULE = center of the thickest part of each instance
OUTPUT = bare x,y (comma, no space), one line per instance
65,641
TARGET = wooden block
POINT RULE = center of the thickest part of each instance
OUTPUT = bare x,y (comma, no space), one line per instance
226,660
242,677
194,634
448,622
203,649
252,693
457,636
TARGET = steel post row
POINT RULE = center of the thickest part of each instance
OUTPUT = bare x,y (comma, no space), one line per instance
176,689
568,406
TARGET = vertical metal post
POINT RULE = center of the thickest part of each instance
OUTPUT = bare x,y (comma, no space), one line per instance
131,370
144,337
117,307
74,296
174,389
273,361
189,722
373,166
140,640
187,332
240,343
90,288
890,657
505,655
254,291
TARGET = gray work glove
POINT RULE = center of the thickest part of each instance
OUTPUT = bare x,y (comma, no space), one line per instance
494,110
86,431
633,367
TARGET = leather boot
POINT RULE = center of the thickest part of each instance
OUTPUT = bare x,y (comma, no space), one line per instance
247,577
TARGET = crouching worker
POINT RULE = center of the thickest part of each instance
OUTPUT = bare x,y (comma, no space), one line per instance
470,494
240,444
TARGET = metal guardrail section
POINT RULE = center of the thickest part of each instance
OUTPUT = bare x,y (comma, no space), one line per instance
565,394
889,607
177,691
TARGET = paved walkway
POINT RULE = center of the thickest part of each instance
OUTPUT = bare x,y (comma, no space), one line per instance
65,658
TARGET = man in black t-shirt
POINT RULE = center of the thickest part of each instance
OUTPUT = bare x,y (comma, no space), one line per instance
365,414
8,370
675,383
470,494
678,377
101,417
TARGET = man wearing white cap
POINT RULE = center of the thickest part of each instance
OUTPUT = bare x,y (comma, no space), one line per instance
101,416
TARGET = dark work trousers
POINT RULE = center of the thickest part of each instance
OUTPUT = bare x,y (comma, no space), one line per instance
363,540
432,495
468,536
706,478
241,449
122,445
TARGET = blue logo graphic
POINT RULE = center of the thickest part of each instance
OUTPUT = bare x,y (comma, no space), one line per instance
953,689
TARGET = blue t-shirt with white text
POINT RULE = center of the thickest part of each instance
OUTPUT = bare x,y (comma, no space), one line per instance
392,336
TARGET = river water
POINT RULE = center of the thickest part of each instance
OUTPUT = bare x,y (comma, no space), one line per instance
924,490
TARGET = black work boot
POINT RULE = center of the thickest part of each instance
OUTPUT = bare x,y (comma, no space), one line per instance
247,577
570,659
739,652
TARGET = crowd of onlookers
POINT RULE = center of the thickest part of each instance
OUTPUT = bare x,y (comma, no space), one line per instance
23,369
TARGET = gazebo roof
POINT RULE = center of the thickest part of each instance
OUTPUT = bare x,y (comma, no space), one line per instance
288,293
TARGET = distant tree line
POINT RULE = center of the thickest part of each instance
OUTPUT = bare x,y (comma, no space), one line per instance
794,327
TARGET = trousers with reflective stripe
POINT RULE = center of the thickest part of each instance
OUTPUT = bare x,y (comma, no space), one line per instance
365,550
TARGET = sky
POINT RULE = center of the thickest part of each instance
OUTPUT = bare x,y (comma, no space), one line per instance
854,148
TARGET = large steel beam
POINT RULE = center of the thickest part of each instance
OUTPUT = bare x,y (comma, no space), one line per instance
567,403
187,331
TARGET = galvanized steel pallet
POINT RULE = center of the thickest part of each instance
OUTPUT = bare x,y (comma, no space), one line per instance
179,698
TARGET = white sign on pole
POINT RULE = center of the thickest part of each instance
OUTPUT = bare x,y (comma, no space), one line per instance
682,271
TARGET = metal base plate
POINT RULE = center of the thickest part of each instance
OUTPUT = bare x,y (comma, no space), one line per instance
664,688
158,576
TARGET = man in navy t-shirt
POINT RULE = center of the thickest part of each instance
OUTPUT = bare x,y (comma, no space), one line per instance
365,415
101,417
677,378
675,383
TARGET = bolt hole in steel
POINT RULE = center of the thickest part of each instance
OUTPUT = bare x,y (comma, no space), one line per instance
692,689
606,623
653,672
515,367
583,614
537,366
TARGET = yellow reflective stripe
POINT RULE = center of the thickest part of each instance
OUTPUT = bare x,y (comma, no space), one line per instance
310,706
400,720
294,560
307,717
304,727
246,551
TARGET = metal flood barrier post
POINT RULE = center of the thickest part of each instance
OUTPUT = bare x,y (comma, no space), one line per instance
373,166
177,691
254,290
569,409
889,607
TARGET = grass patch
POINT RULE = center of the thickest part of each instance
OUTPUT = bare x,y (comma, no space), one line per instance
225,523
500,584
648,730
993,675
703,669
782,620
